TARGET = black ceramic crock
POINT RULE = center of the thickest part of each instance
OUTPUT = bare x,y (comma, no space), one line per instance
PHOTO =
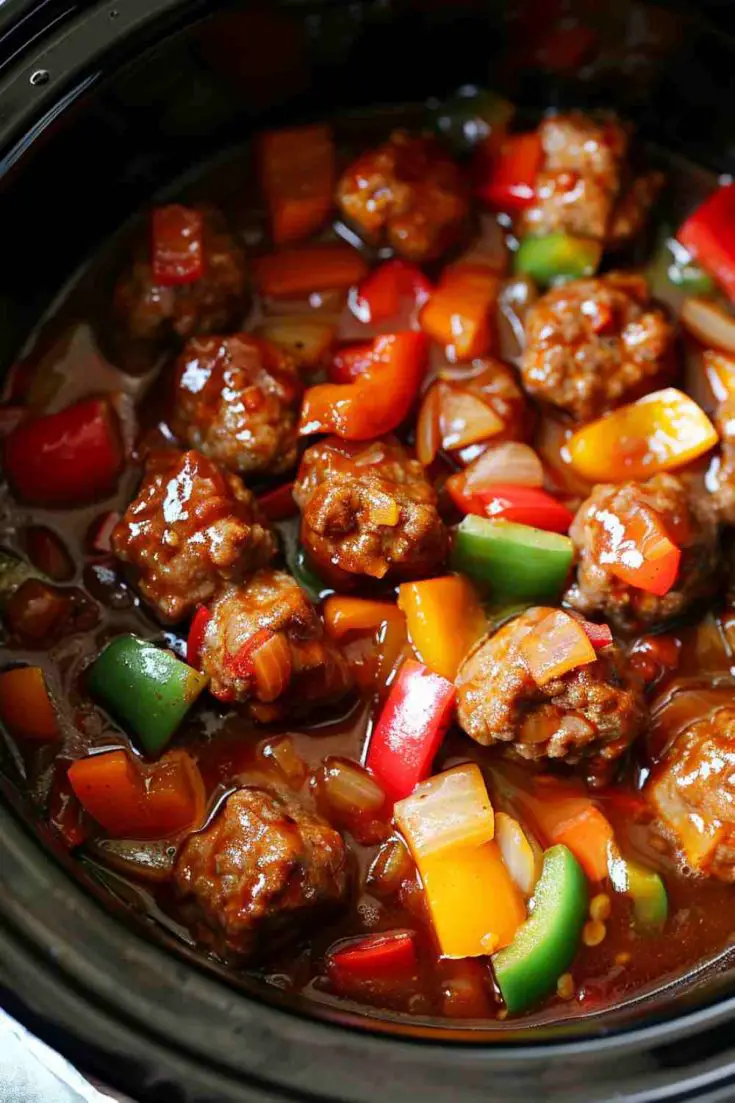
101,106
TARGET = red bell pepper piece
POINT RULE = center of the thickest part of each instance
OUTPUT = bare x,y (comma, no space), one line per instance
599,635
389,956
526,505
379,296
642,554
511,183
709,235
100,532
241,664
408,734
67,458
378,400
278,504
348,363
195,639
178,245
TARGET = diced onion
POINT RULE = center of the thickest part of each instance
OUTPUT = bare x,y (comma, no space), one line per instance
710,323
555,646
272,667
427,428
516,852
390,869
349,789
464,418
449,810
508,462
282,752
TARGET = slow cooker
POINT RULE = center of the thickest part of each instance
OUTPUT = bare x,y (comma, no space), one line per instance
101,106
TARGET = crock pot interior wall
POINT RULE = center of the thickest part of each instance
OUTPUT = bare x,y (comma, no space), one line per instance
82,150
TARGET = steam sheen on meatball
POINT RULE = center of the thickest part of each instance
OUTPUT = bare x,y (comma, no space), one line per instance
689,521
264,866
265,644
407,192
692,794
595,343
592,712
191,529
368,509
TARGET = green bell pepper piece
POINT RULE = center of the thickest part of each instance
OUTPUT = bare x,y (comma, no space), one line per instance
315,588
545,945
684,272
650,902
145,688
470,116
516,562
556,257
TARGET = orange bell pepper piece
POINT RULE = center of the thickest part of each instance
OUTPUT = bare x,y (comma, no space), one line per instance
444,618
555,646
356,614
291,273
297,171
660,432
561,817
25,704
457,315
132,801
378,400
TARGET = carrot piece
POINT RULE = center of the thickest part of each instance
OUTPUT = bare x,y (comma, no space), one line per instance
291,273
25,705
444,618
457,315
588,835
297,171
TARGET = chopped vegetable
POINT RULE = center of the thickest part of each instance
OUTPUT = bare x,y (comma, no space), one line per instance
278,504
379,296
444,618
709,235
297,170
177,254
449,810
556,257
388,956
448,823
511,182
640,552
646,891
145,687
517,853
599,635
350,362
343,615
199,624
266,659
555,646
13,573
68,458
457,315
545,945
130,800
660,432
379,399
710,323
150,861
464,418
297,272
684,273
473,117
306,339
47,552
508,462
410,729
25,704
514,561
100,532
574,821
522,504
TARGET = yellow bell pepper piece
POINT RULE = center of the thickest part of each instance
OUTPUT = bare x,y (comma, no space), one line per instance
343,615
659,432
475,907
444,618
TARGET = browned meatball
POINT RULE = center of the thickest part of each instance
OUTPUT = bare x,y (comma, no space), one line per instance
689,522
192,529
592,712
151,314
236,401
368,509
408,192
266,645
253,876
692,793
723,473
595,343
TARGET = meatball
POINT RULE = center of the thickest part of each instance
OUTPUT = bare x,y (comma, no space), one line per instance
595,343
408,192
152,315
689,521
592,712
723,475
368,509
298,667
236,401
692,794
265,864
192,529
